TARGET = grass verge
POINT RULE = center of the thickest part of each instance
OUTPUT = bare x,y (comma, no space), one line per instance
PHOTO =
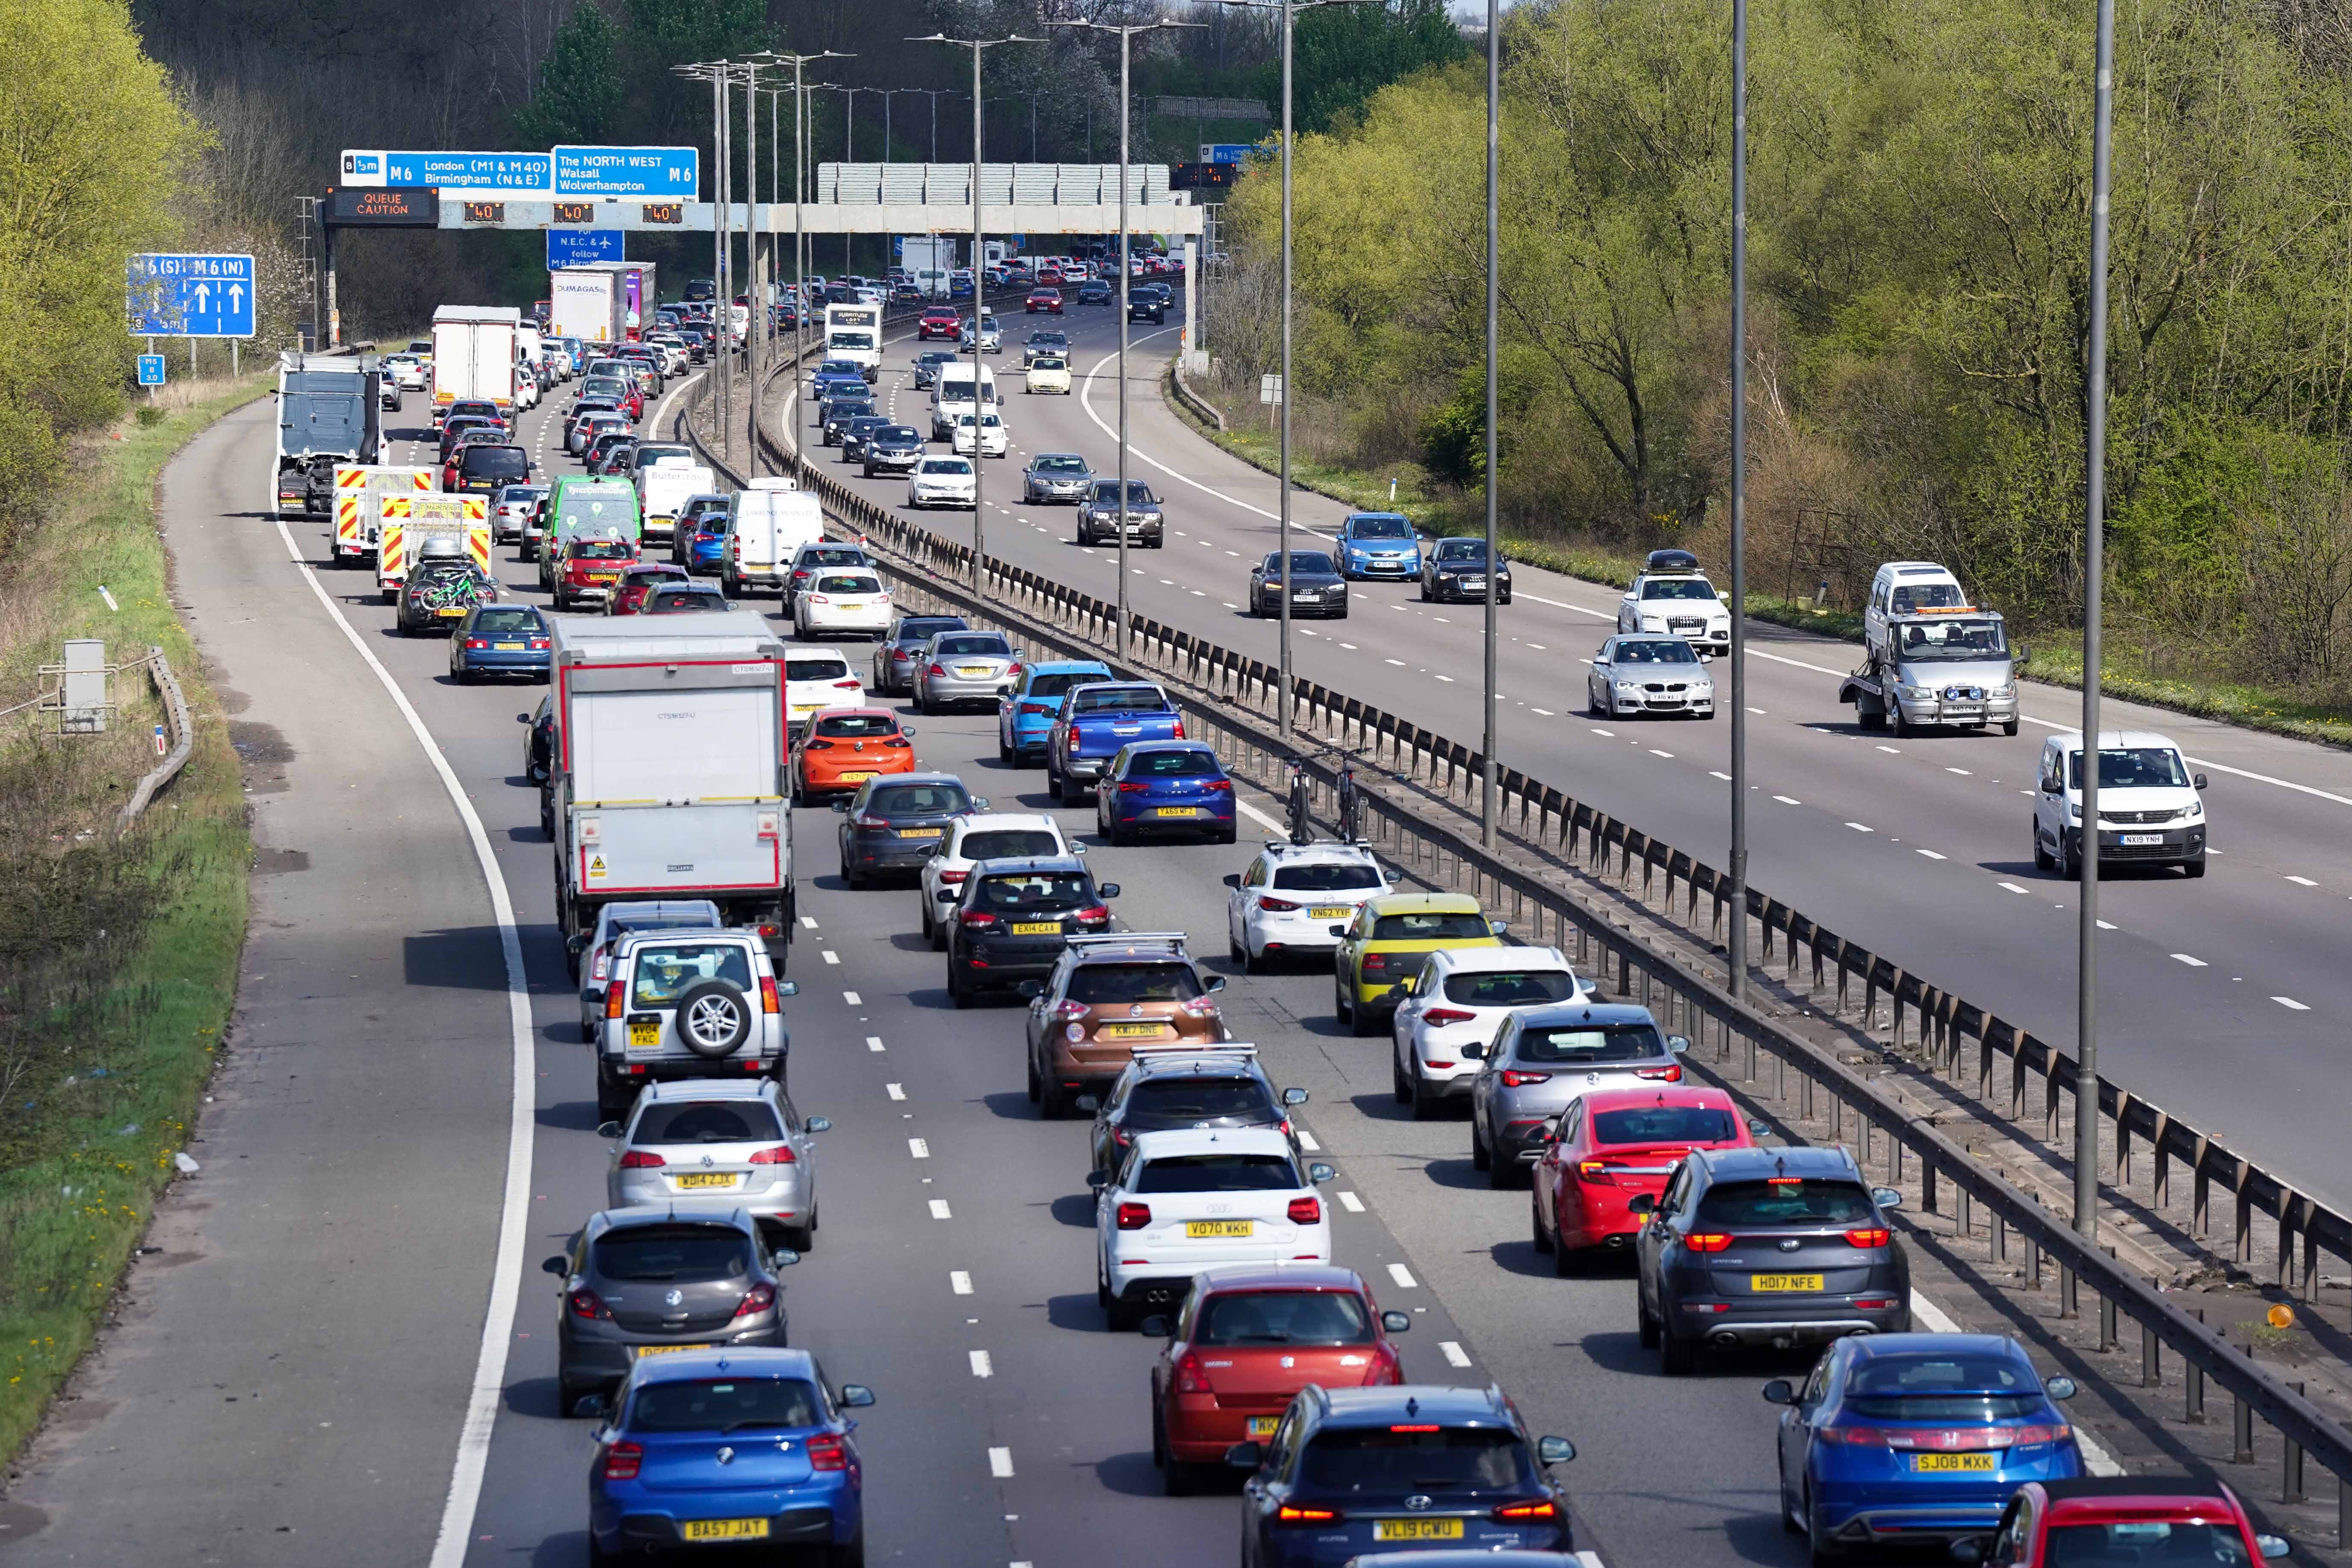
112,1002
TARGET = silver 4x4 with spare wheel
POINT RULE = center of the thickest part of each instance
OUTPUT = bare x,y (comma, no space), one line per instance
689,1003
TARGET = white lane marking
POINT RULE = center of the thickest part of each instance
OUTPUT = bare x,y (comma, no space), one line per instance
809,921
853,999
483,1400
1930,854
1307,1142
2191,963
1454,1355
1261,818
1545,712
1402,1276
1349,647
1398,662
2303,882
830,956
939,1209
1714,773
1610,734
874,1042
2105,925
2010,886
980,1365
918,1149
959,1282
1351,1202
1447,678
1655,753
2291,1005
1890,751
896,1091
1859,827
1962,771
1788,800
1000,1463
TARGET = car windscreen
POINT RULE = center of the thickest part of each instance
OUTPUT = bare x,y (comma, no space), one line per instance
665,971
1217,1173
1678,588
1120,699
1050,361
1303,563
894,434
708,1122
1589,1043
916,800
1137,493
1283,1318
1786,1200
594,506
1058,684
1462,549
678,1254
980,645
1647,1124
501,621
685,599
815,668
1184,765
722,1405
1117,985
1655,650
1383,1460
1201,1098
1430,926
495,462
831,555
1511,987
857,340
1020,893
848,583
1909,596
2137,767
854,726
1326,878
947,465
1005,843
1952,641
1945,1387
1379,528
598,550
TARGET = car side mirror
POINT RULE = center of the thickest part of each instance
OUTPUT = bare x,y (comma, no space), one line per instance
841,805
1216,982
1232,878
1474,1053
1886,1197
2060,1388
854,1396
1555,1450
2272,1546
783,1258
589,1405
1097,1180
1677,1044
1030,988
907,730
1779,1392
522,718
1641,1203
1319,1172
787,987
1005,689
2023,654
1339,931
1396,1322
558,1266
2050,785
1967,1550
1109,890
1088,1103
1245,1455
818,1124
980,803
1294,1096
2199,781
608,1130
1155,1327
1757,1130
1497,928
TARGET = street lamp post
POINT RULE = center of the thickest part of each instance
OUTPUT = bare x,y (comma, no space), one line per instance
1489,777
980,405
1736,946
716,72
848,144
800,226
1126,35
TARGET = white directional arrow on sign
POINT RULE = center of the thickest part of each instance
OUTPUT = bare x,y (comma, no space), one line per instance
204,296
235,297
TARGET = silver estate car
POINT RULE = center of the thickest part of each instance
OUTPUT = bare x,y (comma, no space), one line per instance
1542,1058
962,667
713,1146
689,1003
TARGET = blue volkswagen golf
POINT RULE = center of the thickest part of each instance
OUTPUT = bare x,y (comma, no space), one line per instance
1377,544
499,639
1917,1437
1165,786
729,1448
1024,716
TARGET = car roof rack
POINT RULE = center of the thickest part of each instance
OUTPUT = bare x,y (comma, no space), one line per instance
1285,847
1168,939
1237,1049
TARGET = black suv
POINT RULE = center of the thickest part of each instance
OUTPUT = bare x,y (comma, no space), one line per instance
1185,1085
1013,917
1098,514
1776,1247
646,1277
894,823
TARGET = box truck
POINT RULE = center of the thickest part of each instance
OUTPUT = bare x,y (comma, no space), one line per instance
474,355
329,412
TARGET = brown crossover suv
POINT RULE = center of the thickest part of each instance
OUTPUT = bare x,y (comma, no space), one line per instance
1106,995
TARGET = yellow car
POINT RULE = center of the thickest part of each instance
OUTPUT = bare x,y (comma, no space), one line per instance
1049,374
1386,941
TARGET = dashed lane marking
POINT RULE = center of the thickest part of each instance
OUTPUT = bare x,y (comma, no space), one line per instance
1402,1276
1454,1355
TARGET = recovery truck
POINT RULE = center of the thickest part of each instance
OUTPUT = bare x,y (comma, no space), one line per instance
1930,660
329,412
406,521
360,489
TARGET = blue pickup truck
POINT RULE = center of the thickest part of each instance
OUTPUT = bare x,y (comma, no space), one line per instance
1024,716
1096,720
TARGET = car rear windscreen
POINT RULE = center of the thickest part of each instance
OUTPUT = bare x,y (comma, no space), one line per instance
979,645
1786,1200
918,800
1187,765
1428,926
1510,988
1663,1125
679,1254
666,969
1590,1043
1026,892
1381,1460
1284,1318
1199,1099
723,1405
1218,1173
855,726
1116,985
2147,1542
1326,878
1005,843
708,1122
1059,684
685,599
502,621
923,628
819,669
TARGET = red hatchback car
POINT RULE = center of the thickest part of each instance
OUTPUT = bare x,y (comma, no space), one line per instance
1044,300
1610,1146
1247,1339
2122,1518
638,579
937,322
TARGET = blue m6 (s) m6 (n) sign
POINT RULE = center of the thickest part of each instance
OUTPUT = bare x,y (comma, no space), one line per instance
190,296
151,370
577,247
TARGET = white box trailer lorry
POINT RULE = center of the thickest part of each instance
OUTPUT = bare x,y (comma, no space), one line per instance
854,333
668,773
584,302
474,355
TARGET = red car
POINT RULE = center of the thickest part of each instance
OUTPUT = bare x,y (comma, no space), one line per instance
2122,1518
1049,272
1612,1145
1249,1337
1044,300
636,580
937,322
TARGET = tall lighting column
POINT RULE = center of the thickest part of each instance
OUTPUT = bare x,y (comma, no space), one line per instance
1126,35
715,72
1736,949
1489,775
800,228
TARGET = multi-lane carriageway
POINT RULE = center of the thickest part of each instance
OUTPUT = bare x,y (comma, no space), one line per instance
342,1351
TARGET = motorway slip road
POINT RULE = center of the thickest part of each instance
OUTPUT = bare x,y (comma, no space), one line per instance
295,1381
2225,1000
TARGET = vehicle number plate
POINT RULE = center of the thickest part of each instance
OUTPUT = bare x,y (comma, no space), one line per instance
644,1036
1417,1529
855,778
2143,838
1264,1426
1036,928
645,1351
971,669
1130,1031
706,1179
508,647
1784,1281
450,610
723,1529
1176,810
1198,1230
1954,1462
917,832
1330,913
808,707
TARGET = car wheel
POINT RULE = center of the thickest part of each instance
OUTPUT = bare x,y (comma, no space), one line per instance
2193,868
1072,792
1819,1548
1646,1327
1502,1173
1537,1237
613,1101
1677,1353
2042,861
958,989
1340,1008
1177,1479
1252,962
852,1555
1425,1103
1792,1520
1036,1084
1566,1262
2070,861
1122,1315
1399,1086
1480,1160
2009,728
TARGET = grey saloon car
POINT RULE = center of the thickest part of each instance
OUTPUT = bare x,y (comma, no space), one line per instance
713,1146
1543,1057
1055,476
648,1279
962,667
895,655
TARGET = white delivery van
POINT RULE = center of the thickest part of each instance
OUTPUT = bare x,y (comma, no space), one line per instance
663,488
766,527
953,396
2149,813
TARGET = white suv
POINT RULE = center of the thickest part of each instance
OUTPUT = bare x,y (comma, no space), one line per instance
1459,997
1291,897
689,1003
1183,1201
1673,598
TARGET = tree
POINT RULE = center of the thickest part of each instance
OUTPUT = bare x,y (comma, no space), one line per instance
579,85
1342,55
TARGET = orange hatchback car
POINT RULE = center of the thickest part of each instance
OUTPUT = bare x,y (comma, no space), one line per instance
842,749
1247,1339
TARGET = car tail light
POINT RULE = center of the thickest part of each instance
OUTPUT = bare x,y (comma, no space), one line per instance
1387,1368
782,1154
939,670
1447,1015
1216,786
898,743
538,645
819,599
615,994
1867,1237
1375,963
1707,1241
951,878
1286,1514
1513,1077
1198,1008
826,1451
589,1305
621,1462
849,685
2020,1437
1190,1376
1279,906
1069,1012
1134,1217
770,1002
1092,915
1853,1436
602,969
1597,1172
759,1298
1129,787
1036,710
1307,1211
477,642
1515,1512
1661,1075
642,1160
872,824
1179,732
1876,1304
978,919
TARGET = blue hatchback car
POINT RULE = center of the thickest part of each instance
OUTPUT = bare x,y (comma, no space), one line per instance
1377,544
1026,717
1165,786
1352,1472
1917,1437
499,639
718,1447
704,547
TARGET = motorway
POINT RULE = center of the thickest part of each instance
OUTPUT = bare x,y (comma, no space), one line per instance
2224,1000
295,1373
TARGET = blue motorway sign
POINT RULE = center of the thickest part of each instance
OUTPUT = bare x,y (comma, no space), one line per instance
190,296
516,173
577,247
651,172
151,370
1225,152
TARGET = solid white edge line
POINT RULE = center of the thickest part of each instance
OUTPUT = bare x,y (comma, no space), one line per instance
1939,1322
489,1391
